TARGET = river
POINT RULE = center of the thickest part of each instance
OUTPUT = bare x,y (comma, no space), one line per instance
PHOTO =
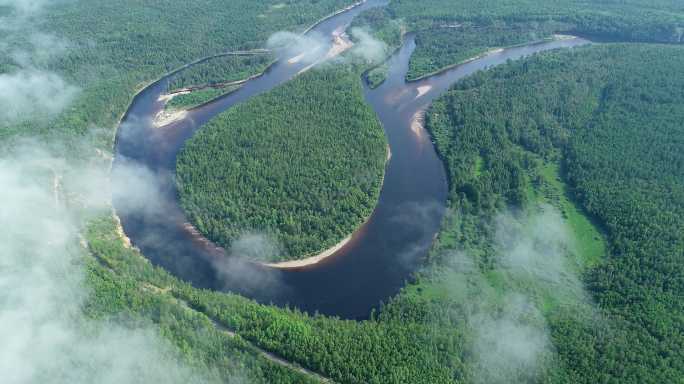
374,265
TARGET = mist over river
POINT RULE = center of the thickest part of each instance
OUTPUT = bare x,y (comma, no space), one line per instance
381,255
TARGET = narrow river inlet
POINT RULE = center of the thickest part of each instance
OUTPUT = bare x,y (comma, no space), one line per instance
381,255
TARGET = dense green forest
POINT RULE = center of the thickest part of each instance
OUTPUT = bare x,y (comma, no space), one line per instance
438,48
635,20
105,51
221,70
595,133
111,49
611,117
380,23
302,164
198,97
510,137
450,31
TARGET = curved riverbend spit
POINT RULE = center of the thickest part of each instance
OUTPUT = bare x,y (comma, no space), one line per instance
366,270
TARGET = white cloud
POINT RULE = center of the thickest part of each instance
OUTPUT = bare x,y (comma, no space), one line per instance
45,337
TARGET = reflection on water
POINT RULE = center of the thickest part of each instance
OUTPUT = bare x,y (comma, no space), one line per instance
381,255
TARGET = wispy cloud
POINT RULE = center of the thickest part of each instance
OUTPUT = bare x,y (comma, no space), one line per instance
45,336
29,91
510,338
367,48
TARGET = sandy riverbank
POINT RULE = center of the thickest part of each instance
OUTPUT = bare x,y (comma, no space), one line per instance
332,250
341,43
313,259
120,232
164,117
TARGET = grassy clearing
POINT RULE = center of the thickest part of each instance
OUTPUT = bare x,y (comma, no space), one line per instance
589,242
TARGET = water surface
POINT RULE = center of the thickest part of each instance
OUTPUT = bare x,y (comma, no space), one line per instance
381,255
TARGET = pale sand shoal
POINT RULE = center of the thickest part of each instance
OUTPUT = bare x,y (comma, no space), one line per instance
164,118
297,58
423,89
417,123
313,259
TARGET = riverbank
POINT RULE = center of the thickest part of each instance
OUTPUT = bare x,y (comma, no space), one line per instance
491,51
313,260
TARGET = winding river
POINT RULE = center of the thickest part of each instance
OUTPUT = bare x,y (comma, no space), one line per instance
381,255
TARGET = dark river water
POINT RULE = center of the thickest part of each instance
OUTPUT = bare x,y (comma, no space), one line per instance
381,255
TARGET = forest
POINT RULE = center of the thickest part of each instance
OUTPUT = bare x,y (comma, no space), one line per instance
111,49
449,32
198,97
221,70
511,138
438,48
610,116
595,133
302,165
380,24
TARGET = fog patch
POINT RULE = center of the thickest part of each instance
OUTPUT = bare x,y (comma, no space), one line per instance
45,336
26,7
419,223
539,249
240,268
296,48
509,337
136,189
248,277
256,246
510,344
30,92
367,48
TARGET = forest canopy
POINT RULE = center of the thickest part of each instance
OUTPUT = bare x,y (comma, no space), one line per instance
301,165
611,116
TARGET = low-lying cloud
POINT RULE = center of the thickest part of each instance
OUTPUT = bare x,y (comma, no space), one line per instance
297,48
239,269
312,48
510,344
31,93
510,339
367,48
26,7
538,249
45,336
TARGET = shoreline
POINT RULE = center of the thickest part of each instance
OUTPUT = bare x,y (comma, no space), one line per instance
348,8
337,41
491,51
313,260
